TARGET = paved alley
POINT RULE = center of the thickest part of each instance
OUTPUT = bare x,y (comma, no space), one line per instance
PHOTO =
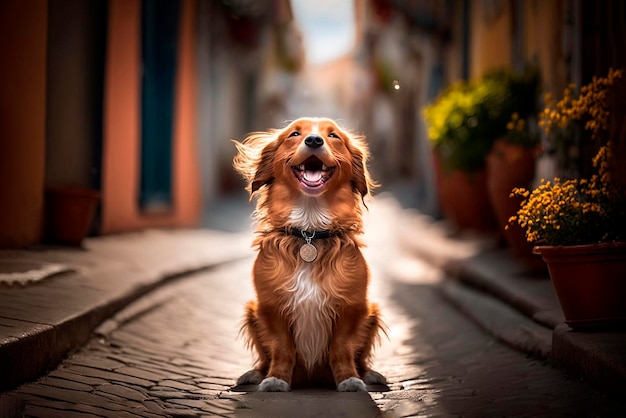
176,352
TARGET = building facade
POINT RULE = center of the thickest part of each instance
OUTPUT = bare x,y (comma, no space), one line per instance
135,100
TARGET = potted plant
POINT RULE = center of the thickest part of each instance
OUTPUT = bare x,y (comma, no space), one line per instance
579,225
510,165
511,161
70,213
463,123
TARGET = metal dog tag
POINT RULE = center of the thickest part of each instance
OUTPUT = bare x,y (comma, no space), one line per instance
308,252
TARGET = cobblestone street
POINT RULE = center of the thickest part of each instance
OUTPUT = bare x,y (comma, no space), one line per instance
176,352
143,142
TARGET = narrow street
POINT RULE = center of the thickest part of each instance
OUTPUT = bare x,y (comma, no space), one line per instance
176,352
496,130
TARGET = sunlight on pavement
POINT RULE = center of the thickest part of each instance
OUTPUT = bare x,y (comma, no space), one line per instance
391,264
384,226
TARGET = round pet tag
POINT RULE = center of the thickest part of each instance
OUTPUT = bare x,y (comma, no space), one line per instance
308,252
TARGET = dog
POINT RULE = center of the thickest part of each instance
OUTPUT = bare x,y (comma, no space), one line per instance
311,322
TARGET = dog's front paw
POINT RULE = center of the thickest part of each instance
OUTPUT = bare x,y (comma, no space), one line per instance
374,378
352,384
273,384
251,377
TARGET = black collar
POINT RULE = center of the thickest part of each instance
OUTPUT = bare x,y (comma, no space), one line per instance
310,235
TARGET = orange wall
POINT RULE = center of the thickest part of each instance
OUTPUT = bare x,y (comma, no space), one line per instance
490,45
187,193
491,39
543,42
23,30
121,148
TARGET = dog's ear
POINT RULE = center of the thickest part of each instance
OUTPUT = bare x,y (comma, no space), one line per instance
264,174
362,182
255,155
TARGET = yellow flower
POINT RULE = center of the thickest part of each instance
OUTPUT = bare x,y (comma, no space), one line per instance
590,107
570,212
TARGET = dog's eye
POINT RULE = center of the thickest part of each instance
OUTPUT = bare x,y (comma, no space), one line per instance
333,135
294,133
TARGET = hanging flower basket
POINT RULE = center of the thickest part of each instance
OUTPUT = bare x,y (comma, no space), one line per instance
590,283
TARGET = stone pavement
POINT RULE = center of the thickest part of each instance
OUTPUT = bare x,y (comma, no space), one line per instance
515,304
41,323
176,353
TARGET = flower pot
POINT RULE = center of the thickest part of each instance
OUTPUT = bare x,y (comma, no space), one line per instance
510,166
590,282
70,212
463,198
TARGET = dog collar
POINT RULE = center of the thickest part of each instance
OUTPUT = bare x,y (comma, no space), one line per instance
308,251
311,235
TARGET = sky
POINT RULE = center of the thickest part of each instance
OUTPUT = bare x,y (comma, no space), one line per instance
328,27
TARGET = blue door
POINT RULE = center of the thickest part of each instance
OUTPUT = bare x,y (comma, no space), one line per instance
159,44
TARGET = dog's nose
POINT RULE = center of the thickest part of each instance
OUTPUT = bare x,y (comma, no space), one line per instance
313,141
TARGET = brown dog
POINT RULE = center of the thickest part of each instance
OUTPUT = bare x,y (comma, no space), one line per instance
311,316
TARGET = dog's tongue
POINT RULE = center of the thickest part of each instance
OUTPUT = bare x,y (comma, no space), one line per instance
312,176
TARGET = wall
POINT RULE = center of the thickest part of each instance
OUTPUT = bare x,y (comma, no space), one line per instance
74,95
187,194
23,30
490,36
453,53
120,180
207,148
543,40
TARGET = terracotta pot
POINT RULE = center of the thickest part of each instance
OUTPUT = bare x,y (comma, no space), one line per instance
70,212
463,198
590,282
510,166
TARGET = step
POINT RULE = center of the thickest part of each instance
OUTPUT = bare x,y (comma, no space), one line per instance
498,318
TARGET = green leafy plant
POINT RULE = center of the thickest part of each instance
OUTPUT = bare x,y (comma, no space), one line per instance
467,117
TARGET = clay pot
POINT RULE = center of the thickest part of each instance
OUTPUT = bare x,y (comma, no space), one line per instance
590,283
463,198
510,166
70,213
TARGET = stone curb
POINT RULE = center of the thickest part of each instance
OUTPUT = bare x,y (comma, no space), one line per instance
500,320
114,272
517,307
599,356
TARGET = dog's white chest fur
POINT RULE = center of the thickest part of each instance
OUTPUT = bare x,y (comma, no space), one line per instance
310,213
311,318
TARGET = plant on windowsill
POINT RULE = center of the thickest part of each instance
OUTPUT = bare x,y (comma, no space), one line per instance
579,225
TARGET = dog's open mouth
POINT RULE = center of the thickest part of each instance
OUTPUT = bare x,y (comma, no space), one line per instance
312,174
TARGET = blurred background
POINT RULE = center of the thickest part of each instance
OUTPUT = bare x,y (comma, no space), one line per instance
131,104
